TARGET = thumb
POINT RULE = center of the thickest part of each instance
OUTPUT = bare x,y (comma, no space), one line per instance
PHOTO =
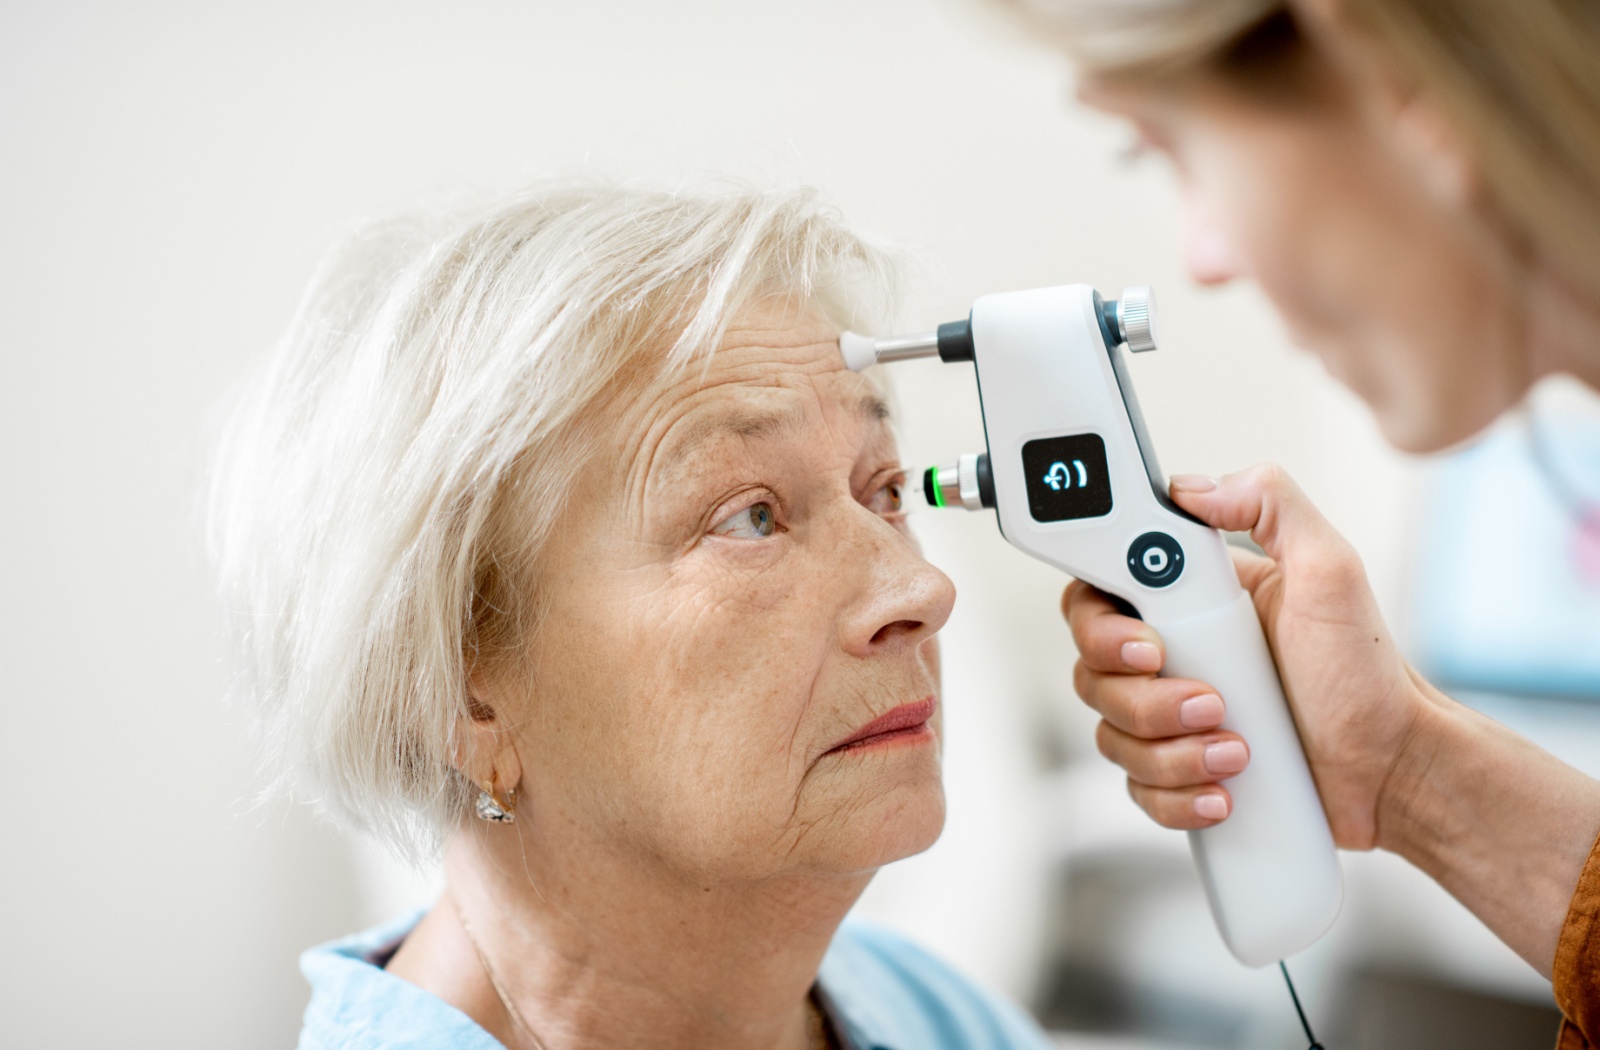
1265,502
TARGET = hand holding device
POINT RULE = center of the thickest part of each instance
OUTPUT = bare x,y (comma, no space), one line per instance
1355,699
1072,474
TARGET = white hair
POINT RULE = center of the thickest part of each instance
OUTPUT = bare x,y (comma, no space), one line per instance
383,486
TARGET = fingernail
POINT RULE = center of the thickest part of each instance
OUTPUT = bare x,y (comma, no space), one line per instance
1210,807
1193,482
1201,712
1141,656
1229,756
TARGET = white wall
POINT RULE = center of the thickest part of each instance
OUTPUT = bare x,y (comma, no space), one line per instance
170,173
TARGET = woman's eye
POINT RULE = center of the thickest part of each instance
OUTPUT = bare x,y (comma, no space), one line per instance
890,499
1135,150
752,523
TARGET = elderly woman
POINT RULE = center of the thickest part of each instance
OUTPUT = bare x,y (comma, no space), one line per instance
560,540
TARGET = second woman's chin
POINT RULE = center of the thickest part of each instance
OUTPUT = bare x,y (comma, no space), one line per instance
1429,422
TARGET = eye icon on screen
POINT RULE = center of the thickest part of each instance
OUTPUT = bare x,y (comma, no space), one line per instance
1068,478
1059,477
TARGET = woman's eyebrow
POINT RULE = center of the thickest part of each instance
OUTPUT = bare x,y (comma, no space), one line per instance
873,408
745,424
775,423
761,425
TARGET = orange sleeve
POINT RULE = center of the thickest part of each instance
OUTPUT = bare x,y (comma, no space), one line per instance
1576,974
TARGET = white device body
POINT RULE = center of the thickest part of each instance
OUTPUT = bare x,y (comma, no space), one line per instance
1046,370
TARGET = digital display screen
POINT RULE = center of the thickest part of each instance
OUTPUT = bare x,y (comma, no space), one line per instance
1067,477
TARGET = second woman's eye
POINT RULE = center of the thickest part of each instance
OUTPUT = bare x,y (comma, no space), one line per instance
754,522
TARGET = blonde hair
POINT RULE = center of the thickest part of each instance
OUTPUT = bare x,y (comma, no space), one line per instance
383,486
1519,81
1132,39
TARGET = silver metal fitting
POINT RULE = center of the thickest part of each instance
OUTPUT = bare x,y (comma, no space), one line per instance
1136,316
967,481
956,485
908,347
863,351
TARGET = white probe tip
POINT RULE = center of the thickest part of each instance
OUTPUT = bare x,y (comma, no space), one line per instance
858,351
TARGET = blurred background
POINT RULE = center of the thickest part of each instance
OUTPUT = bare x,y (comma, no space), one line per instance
173,170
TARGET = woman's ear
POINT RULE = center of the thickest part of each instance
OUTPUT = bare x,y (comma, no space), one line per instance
1428,143
1421,134
486,748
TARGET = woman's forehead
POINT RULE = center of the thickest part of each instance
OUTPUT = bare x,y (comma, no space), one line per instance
766,386
776,324
757,394
769,344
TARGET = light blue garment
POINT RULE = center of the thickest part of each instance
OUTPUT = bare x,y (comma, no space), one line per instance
884,993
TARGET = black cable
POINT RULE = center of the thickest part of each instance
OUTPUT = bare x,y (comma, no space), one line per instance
1297,1009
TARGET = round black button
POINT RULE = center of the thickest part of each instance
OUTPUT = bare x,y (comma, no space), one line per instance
1155,559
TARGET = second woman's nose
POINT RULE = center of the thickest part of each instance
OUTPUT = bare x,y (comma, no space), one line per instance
1208,252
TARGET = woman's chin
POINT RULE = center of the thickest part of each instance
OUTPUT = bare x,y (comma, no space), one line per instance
1423,428
914,830
891,825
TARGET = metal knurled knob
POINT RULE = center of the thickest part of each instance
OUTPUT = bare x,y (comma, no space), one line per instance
1136,314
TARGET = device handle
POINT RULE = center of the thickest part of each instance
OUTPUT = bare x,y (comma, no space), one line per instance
1270,870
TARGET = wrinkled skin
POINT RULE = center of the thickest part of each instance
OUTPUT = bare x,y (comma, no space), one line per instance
682,647
731,593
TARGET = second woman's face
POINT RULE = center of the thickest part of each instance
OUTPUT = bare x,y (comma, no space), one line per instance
735,673
1373,266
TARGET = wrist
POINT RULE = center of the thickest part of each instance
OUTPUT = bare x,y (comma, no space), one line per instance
1502,825
1409,811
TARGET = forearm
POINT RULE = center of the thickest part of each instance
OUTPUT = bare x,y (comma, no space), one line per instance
1501,824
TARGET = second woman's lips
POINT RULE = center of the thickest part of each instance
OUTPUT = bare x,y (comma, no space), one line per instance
912,716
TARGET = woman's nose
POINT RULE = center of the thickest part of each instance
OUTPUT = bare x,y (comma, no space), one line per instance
1208,251
905,600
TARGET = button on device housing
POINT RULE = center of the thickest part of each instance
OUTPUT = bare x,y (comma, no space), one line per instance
1155,559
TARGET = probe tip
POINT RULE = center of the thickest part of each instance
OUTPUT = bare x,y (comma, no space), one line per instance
858,351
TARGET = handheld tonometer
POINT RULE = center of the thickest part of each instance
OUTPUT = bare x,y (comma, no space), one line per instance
1072,475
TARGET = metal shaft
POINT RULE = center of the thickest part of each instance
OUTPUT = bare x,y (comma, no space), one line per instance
908,347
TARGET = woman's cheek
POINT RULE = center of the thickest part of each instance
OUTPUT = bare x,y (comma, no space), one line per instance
741,638
742,575
931,660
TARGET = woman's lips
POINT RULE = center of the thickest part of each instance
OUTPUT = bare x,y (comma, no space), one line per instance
905,724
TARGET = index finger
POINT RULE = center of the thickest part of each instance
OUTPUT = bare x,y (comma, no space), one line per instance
1108,640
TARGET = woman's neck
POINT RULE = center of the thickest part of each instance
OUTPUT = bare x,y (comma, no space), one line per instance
565,951
1563,327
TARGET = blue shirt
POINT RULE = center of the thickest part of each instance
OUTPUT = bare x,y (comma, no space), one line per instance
881,992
